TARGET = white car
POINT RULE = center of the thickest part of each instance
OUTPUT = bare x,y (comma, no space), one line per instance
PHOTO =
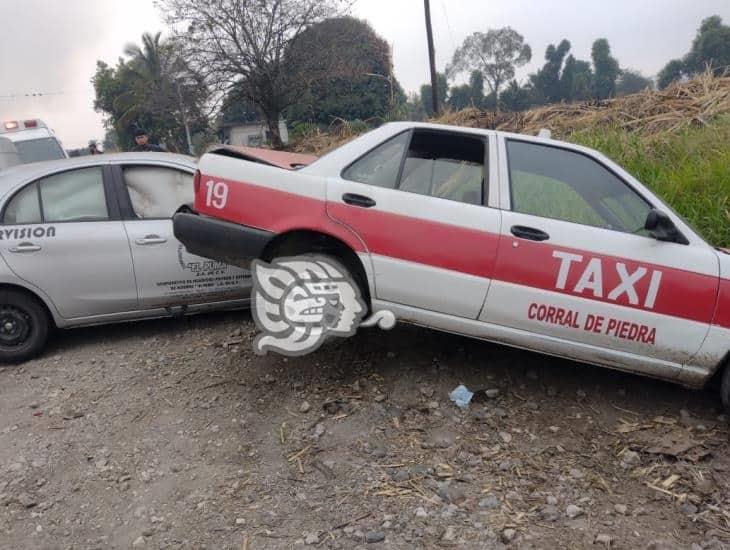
522,240
89,240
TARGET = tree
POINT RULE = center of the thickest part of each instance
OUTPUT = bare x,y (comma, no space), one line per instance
468,95
246,44
672,71
606,70
576,80
153,89
631,82
236,109
710,48
476,87
567,79
111,140
516,97
546,83
367,89
459,97
443,88
495,54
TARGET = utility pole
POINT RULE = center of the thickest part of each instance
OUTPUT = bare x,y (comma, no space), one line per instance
185,120
431,59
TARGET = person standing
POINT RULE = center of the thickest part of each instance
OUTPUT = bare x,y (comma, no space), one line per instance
142,139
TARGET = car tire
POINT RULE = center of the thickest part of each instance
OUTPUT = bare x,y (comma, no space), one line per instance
725,389
24,326
345,268
342,266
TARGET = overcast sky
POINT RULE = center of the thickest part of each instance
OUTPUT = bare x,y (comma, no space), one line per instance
51,46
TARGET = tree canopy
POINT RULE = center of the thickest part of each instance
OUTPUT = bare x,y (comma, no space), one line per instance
442,86
710,49
605,70
546,83
496,54
631,82
244,44
363,87
152,88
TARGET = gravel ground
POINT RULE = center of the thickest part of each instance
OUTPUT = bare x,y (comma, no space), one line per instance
172,434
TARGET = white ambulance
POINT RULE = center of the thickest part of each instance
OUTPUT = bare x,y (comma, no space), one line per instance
33,140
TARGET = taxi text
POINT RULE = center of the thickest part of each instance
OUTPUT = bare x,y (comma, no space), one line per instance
610,326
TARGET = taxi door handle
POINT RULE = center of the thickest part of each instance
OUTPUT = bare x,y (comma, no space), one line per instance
25,247
358,200
150,239
530,233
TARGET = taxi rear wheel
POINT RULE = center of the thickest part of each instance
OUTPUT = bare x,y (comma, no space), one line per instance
24,326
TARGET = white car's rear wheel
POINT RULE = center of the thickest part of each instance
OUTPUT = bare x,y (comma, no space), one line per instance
24,326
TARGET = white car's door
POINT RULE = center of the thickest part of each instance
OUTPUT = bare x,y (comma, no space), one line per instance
575,262
62,234
419,203
167,275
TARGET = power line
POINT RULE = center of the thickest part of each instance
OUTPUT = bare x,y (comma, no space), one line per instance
448,25
30,94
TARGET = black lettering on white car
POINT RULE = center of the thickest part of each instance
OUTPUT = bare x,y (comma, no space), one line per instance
39,232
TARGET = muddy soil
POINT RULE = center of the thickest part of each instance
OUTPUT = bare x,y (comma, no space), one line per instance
173,434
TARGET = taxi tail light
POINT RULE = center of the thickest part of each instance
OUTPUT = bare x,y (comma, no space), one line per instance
31,123
196,181
11,125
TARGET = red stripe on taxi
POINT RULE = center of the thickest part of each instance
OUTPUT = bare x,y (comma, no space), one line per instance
474,252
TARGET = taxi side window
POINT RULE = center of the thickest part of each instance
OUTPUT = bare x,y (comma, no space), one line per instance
557,183
445,165
157,192
380,166
76,195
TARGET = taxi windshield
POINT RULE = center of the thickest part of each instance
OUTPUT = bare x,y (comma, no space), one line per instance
36,150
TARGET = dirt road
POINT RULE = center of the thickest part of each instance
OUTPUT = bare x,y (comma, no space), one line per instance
172,434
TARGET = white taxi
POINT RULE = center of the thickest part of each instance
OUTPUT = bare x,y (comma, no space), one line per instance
521,240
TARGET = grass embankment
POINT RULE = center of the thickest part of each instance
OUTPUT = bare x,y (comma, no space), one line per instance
689,169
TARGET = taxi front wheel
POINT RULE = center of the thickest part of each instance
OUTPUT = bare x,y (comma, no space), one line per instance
24,326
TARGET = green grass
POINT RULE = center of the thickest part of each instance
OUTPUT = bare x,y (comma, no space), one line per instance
543,196
690,170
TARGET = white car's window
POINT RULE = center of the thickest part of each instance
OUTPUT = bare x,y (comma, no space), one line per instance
76,195
445,165
557,183
24,207
36,150
157,192
380,166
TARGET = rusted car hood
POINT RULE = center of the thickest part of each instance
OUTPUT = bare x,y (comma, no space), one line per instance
282,159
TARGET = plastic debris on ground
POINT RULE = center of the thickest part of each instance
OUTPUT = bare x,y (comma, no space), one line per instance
461,396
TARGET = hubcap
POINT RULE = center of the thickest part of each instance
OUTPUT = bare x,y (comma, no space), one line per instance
14,326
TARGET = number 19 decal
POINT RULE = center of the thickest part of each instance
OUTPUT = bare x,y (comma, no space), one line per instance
217,194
